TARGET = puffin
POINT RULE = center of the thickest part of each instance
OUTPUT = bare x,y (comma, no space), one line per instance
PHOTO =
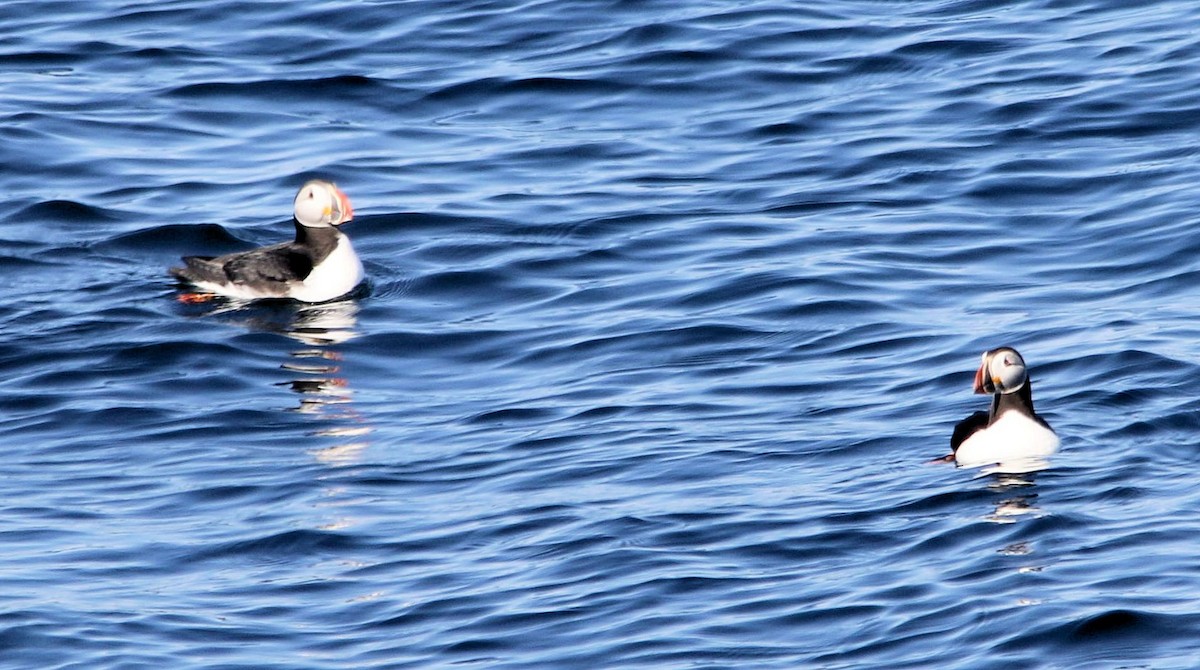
318,266
1010,431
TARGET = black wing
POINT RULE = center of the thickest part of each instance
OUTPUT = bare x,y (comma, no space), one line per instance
967,427
200,269
278,264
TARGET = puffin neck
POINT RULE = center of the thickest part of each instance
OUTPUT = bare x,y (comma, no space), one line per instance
322,241
1020,400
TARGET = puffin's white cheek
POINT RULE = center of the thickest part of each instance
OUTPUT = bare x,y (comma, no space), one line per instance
1013,377
309,212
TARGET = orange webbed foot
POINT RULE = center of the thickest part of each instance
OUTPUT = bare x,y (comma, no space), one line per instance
196,298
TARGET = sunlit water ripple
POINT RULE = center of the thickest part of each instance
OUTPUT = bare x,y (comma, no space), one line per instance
671,306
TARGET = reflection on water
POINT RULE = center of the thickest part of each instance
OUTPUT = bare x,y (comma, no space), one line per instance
327,323
1018,495
323,393
315,369
314,325
327,396
1009,510
1016,501
1018,466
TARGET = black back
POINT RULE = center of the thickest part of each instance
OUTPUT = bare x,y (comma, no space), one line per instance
268,266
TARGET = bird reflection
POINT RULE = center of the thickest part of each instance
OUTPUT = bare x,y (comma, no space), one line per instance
1017,501
315,370
1014,480
1017,496
316,325
323,392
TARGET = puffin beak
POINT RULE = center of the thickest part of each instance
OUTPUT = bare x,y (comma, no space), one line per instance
979,375
343,205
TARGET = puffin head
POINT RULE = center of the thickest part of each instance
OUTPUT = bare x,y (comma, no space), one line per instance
1001,371
320,204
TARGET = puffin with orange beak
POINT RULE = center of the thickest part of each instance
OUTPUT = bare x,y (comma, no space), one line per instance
1010,430
319,265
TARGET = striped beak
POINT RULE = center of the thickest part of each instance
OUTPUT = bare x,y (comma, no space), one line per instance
344,211
983,384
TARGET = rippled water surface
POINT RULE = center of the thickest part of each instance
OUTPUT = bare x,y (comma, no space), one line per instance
672,305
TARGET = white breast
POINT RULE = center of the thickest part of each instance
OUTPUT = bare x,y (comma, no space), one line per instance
1015,442
333,277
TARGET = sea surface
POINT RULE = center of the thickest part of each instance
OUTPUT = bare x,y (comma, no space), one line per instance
673,305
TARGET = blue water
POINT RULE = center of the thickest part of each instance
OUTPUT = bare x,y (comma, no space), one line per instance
672,303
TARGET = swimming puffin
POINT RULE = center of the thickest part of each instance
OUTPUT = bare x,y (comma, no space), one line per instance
319,265
1009,431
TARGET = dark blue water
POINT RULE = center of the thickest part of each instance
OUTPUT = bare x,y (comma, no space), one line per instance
671,305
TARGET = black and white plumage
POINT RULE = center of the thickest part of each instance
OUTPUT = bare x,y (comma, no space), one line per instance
319,265
1010,431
